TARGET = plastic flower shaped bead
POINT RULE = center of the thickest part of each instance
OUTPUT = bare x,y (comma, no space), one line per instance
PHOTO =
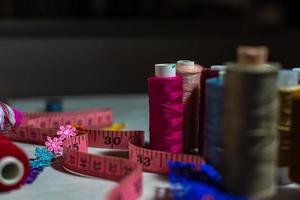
54,145
37,163
34,172
44,154
66,132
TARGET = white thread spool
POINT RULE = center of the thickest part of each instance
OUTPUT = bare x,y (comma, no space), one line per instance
298,71
287,78
11,117
165,70
219,67
11,170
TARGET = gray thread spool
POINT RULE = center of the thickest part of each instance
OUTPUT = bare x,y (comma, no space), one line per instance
249,136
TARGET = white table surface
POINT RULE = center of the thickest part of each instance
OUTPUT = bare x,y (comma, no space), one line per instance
55,184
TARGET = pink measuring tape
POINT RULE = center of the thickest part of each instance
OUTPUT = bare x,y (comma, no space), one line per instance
77,159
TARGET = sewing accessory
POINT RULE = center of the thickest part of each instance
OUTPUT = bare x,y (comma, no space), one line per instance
9,117
212,149
294,161
251,56
127,171
14,166
206,73
190,74
66,132
298,71
165,92
193,181
288,86
54,105
248,131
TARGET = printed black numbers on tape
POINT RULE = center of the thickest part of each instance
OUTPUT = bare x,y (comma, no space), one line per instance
143,160
74,146
112,140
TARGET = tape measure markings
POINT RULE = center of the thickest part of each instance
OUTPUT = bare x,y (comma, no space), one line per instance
97,118
128,171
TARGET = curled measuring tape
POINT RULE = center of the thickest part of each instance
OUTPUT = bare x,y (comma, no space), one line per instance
127,171
98,118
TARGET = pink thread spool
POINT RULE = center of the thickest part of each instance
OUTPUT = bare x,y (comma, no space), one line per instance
165,92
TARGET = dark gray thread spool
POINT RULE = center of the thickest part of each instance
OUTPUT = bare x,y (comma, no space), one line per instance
248,131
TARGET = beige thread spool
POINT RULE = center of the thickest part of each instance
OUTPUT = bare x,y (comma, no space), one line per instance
190,74
249,56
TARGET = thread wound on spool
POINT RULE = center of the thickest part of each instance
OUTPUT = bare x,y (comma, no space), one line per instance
248,55
166,113
249,135
285,122
14,165
294,162
212,124
191,94
205,74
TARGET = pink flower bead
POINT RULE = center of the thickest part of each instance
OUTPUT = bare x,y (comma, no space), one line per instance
66,132
54,145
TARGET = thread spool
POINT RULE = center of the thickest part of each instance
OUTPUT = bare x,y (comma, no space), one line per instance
190,74
206,73
249,137
14,166
212,123
9,117
288,86
54,105
165,92
298,71
294,162
252,56
219,67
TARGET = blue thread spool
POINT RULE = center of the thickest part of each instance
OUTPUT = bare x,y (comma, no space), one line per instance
212,121
54,105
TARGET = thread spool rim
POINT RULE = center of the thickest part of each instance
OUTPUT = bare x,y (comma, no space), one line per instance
218,67
19,170
165,70
186,63
297,69
272,67
287,78
254,55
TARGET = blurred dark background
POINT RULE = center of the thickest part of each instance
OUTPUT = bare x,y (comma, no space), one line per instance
71,47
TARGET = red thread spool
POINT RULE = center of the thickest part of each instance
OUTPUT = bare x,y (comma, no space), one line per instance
206,73
166,109
14,165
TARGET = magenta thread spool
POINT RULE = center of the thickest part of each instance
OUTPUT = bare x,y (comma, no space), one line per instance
165,92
